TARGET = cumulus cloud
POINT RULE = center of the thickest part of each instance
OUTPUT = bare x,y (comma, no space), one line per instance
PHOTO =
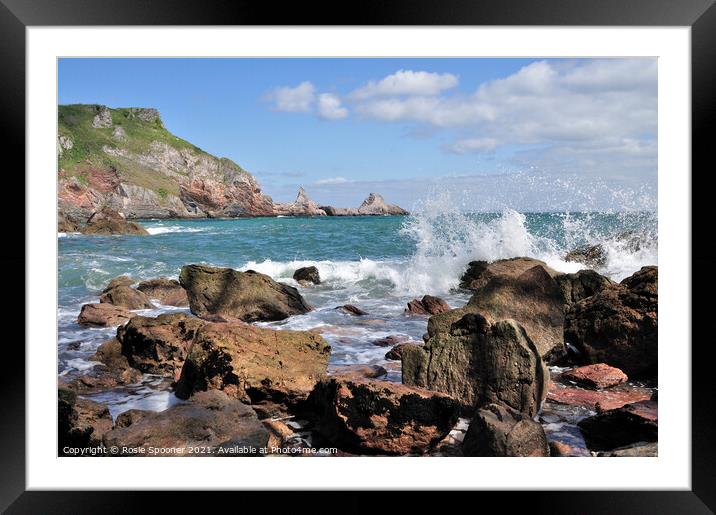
407,82
593,115
330,108
541,101
298,99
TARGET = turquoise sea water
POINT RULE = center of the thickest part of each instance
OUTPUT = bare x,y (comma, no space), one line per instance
377,263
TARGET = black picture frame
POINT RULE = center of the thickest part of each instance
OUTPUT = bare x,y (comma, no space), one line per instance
700,15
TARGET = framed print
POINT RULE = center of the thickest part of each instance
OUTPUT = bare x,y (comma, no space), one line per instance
418,249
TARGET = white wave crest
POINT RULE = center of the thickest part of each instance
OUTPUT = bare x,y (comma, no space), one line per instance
163,229
447,238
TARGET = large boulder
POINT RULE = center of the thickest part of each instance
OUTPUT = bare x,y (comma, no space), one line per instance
248,296
210,421
618,325
158,345
166,291
632,423
254,363
103,315
428,305
498,430
126,297
532,298
479,362
380,417
307,275
81,423
108,221
479,273
581,285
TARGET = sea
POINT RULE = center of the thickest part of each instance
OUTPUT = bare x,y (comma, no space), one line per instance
378,263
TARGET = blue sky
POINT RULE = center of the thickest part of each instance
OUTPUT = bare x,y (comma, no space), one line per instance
403,127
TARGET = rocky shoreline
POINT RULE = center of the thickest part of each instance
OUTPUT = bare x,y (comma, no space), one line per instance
536,363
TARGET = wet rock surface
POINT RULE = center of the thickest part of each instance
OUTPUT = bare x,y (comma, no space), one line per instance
307,275
591,255
352,310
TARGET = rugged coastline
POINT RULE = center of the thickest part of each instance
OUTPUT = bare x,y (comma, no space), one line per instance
127,161
500,381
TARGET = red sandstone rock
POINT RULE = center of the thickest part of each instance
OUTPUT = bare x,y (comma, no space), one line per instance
596,376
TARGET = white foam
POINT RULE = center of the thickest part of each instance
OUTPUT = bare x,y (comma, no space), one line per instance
163,229
447,239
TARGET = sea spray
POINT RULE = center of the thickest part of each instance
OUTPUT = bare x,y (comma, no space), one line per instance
447,239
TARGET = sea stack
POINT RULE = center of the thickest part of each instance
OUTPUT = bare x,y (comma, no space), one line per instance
302,206
374,204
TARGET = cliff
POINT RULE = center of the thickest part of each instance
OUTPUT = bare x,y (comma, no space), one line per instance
125,159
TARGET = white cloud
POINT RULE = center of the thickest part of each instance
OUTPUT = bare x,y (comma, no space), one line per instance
332,180
407,82
330,108
541,101
594,114
298,99
465,146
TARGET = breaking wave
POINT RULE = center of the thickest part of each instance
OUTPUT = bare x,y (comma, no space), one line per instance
446,239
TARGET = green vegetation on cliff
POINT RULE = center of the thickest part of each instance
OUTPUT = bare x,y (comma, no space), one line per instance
86,131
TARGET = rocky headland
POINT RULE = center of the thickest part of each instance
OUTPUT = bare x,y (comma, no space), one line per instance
126,161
